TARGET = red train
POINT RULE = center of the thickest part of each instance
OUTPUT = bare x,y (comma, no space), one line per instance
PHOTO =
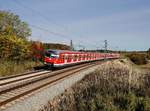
58,58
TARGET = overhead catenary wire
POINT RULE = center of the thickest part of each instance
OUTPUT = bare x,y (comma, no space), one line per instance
39,14
21,4
50,32
45,18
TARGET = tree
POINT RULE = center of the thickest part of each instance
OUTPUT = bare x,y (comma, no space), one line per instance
37,50
11,24
14,44
14,48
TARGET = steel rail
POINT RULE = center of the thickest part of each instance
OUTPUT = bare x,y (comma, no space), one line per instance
22,77
38,78
18,75
58,76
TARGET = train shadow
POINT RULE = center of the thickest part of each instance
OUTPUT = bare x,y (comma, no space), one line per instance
42,67
45,67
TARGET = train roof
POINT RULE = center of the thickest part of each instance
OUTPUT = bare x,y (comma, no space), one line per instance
68,51
61,51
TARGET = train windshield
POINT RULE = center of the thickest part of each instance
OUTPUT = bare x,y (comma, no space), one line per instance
51,54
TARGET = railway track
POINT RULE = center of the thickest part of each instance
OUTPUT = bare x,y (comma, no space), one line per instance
17,75
16,87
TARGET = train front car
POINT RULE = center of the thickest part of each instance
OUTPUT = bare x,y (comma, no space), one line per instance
51,57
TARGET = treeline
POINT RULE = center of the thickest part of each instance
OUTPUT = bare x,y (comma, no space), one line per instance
101,51
14,43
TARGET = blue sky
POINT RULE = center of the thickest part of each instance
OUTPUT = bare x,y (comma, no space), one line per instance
124,23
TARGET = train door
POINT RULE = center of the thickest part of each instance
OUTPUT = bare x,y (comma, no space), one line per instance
72,58
69,58
84,57
65,58
79,57
75,58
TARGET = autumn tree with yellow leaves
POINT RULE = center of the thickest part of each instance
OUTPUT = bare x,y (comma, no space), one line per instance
13,37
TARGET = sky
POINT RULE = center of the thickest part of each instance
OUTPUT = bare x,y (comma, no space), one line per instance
125,24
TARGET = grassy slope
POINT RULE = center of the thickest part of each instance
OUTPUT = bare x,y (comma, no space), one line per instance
11,67
115,86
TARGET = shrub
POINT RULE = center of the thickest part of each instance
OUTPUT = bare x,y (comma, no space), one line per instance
137,58
148,55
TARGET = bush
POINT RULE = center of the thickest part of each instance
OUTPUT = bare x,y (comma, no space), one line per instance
148,55
137,58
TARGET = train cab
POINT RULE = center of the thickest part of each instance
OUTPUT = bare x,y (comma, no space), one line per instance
51,57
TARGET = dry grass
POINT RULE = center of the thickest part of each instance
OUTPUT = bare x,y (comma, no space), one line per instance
11,67
146,66
115,86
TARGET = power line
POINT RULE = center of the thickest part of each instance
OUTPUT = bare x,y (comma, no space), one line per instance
39,14
44,17
51,32
47,19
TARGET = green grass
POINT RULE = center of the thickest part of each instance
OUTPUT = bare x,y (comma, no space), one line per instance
114,87
12,67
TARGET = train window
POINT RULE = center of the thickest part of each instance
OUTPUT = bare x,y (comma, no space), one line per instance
51,54
89,56
47,54
62,57
83,56
54,56
75,57
66,57
80,57
69,58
